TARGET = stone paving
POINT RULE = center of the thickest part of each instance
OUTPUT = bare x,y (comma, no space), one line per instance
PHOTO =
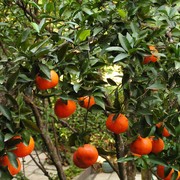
32,171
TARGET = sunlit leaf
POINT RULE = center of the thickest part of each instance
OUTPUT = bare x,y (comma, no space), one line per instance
120,57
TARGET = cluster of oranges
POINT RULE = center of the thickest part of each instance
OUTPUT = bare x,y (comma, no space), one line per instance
141,146
87,154
21,150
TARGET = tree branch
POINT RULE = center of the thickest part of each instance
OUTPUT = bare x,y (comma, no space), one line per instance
46,138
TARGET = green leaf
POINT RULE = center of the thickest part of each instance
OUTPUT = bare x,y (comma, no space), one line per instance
122,13
34,5
12,80
120,57
11,99
31,125
156,85
6,112
45,70
25,35
3,24
12,158
24,78
157,160
84,34
124,42
87,11
111,82
1,141
35,26
4,174
38,45
62,51
177,65
97,30
100,102
49,7
115,48
134,28
125,159
42,24
76,87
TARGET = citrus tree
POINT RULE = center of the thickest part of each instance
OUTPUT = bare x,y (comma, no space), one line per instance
54,56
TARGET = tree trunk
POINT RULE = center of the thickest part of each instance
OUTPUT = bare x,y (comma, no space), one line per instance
146,174
131,170
120,153
55,156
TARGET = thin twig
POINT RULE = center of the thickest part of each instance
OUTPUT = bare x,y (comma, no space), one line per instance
41,167
65,124
111,164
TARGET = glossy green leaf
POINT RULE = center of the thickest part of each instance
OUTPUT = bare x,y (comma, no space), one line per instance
157,160
124,42
87,11
25,35
12,80
115,48
6,112
31,125
12,158
125,159
76,87
157,85
120,57
84,34
35,26
45,70
42,24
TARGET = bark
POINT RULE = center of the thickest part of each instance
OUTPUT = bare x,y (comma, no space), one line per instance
120,153
146,174
131,170
55,156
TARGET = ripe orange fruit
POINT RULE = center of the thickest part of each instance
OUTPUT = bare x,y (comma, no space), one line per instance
161,173
4,161
23,150
118,125
165,132
64,110
141,146
85,156
86,101
43,84
152,58
157,145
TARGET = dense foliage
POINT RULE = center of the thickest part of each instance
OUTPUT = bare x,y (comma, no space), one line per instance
80,39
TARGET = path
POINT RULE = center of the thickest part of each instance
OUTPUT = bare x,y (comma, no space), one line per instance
32,172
